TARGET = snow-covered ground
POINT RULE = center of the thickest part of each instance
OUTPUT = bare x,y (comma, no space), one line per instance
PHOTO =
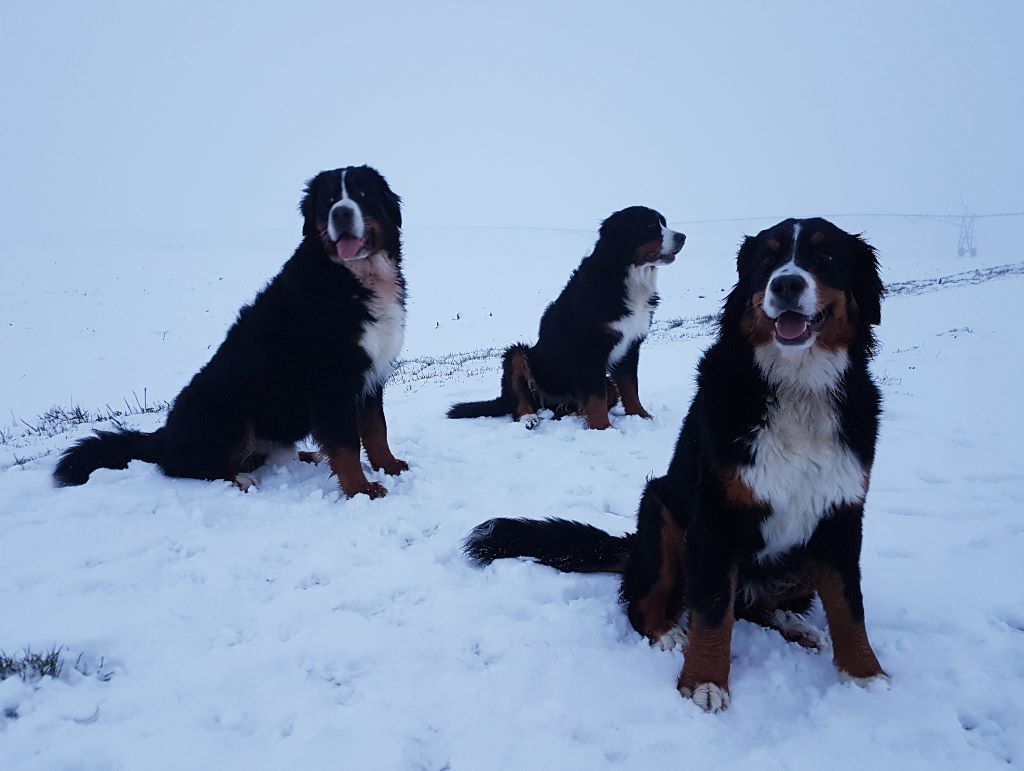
287,627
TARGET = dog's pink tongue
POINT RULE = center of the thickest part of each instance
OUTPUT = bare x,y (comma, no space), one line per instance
348,248
790,325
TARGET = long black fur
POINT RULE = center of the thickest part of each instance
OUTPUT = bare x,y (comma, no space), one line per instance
572,547
290,365
108,449
570,361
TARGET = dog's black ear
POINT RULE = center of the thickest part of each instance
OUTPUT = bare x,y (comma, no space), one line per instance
391,201
393,205
307,207
736,301
745,256
867,287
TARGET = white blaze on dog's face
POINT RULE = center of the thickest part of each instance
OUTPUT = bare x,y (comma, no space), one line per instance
791,301
346,227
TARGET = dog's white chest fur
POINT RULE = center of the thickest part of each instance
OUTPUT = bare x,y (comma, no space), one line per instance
801,468
641,286
382,336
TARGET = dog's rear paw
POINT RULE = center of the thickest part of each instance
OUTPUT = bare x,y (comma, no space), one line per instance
674,639
795,630
244,482
708,696
310,457
530,421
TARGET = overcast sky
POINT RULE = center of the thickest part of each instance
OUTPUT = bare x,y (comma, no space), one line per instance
209,116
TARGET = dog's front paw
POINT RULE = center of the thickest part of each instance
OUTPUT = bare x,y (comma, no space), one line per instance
640,413
373,489
394,467
708,696
879,680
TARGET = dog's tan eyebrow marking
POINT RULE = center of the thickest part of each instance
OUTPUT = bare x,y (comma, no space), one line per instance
817,238
773,245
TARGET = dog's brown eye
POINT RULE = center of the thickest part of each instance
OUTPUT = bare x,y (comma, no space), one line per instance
825,258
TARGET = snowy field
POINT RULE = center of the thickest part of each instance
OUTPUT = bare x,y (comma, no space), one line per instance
152,157
287,626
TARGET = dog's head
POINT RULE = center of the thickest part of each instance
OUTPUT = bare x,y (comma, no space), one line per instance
353,213
639,236
805,284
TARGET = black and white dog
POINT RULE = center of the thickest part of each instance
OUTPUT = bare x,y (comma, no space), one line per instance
310,355
762,505
593,329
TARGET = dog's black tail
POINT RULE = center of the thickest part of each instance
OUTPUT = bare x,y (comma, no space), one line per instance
517,387
107,449
572,547
492,409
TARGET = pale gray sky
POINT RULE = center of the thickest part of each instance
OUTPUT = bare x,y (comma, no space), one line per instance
198,116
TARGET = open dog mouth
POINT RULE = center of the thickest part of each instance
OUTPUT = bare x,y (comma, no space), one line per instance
661,258
792,328
348,248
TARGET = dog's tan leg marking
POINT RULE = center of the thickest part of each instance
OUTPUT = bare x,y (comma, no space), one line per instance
351,479
705,675
656,614
851,651
631,396
595,412
373,431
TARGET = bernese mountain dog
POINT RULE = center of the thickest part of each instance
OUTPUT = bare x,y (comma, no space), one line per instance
593,329
762,505
310,355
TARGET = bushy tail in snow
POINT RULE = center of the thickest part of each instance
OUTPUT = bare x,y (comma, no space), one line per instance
107,449
572,547
517,389
492,409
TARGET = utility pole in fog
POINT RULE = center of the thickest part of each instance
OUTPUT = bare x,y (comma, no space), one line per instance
965,244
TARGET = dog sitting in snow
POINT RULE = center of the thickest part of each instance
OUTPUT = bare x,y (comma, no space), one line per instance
592,330
762,506
310,355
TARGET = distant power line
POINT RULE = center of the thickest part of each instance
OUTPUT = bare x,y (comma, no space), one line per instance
891,215
953,219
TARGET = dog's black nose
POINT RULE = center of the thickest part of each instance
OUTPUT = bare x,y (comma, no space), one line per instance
343,219
788,288
680,239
